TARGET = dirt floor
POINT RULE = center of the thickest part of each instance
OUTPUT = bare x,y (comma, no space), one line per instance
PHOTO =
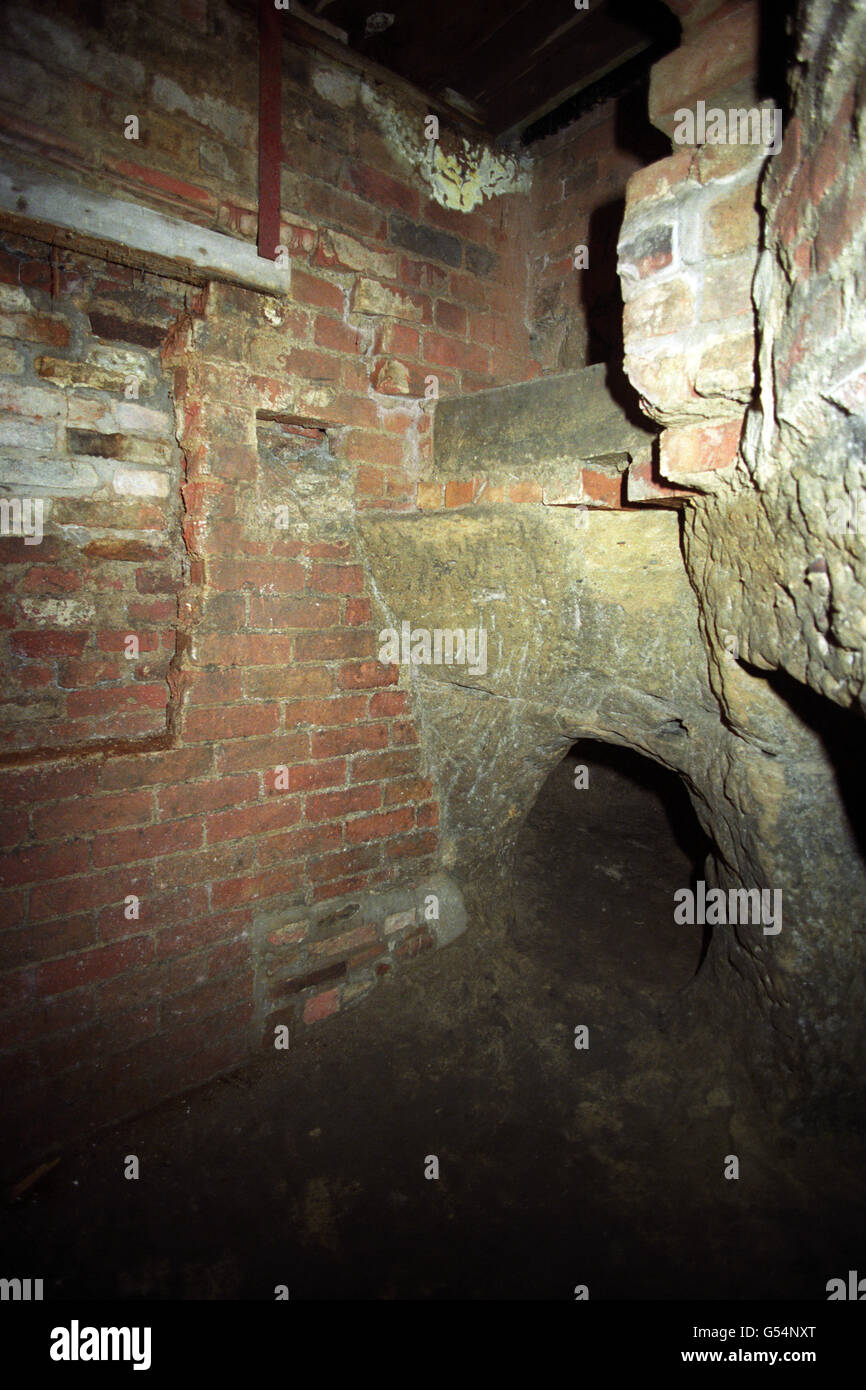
558,1167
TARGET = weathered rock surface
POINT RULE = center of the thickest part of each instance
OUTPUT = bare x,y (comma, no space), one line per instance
594,628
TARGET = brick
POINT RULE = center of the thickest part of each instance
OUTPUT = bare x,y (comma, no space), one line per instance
386,702
335,646
649,252
312,289
525,492
380,449
34,865
197,798
243,721
232,958
731,223
451,318
85,893
347,944
84,704
414,944
214,687
334,743
481,261
313,366
251,887
325,973
371,297
33,944
269,577
644,486
204,1001
84,816
459,492
358,611
35,328
49,644
404,732
398,338
381,190
326,714
321,1006
334,867
112,328
378,767
367,675
391,377
100,963
440,351
285,684
430,496
336,250
336,336
336,579
333,805
245,754
339,888
160,911
276,814
246,649
658,179
602,489
153,179
399,921
410,789
127,846
659,309
175,765
315,775
425,241
726,290
699,448
378,827
276,849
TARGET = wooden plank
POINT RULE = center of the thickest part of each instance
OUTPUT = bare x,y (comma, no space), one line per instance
34,203
539,81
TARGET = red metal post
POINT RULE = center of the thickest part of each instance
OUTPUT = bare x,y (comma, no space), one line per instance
270,84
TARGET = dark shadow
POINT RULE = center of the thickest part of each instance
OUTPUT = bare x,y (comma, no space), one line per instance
601,293
776,52
610,839
601,298
651,777
843,735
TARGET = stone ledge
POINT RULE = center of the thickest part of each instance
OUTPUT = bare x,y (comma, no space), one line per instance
552,423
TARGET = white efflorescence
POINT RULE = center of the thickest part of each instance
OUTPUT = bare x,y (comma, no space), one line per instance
461,179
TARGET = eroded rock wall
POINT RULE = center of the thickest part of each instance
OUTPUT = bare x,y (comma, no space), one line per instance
772,537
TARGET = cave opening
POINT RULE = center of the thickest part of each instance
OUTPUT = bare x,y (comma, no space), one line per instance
610,838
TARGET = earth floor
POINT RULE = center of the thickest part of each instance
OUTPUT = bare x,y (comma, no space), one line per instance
558,1166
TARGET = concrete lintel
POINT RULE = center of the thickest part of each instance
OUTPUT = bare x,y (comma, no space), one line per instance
63,213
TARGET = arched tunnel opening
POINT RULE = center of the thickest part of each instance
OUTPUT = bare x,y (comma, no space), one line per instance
611,837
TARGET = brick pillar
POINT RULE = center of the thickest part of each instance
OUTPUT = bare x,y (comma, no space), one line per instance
688,248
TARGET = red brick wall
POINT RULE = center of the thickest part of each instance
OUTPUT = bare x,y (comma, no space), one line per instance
269,630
